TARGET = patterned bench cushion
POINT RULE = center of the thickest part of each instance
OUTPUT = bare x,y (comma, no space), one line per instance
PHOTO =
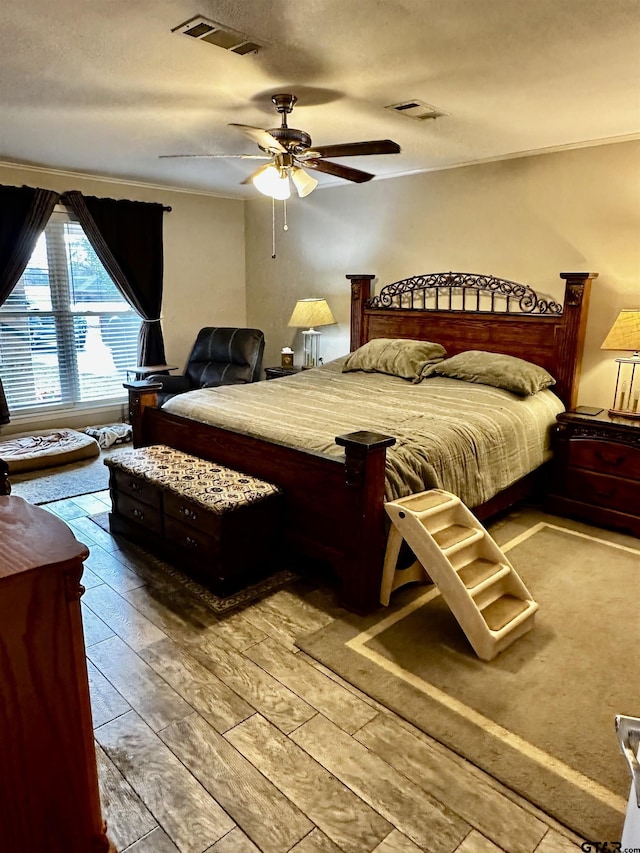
213,486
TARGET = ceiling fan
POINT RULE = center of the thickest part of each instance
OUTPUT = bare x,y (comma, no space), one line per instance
288,150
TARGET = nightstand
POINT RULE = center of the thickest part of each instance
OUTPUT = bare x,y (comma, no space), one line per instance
596,470
277,372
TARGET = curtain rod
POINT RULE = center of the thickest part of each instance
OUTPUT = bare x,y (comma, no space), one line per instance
167,208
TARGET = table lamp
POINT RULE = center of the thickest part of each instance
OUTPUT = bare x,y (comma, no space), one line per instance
311,312
625,335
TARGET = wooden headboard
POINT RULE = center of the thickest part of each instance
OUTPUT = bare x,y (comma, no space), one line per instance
465,311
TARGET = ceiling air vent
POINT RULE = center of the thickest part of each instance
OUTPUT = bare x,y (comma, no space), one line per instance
417,110
204,29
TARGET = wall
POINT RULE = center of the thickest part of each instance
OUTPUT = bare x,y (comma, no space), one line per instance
524,219
204,272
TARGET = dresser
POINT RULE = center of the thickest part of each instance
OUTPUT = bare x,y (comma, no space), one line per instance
596,470
49,799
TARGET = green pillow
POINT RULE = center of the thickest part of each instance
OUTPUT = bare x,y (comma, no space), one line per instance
395,357
490,368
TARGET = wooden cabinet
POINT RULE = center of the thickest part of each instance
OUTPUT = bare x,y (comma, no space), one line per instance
49,797
596,470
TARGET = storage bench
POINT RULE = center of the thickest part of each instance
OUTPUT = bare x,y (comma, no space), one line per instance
215,524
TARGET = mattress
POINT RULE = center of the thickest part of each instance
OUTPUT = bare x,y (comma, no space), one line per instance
469,439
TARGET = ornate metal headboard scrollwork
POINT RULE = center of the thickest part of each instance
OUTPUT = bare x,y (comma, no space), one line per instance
462,291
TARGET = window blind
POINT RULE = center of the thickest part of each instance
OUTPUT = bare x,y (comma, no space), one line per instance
67,335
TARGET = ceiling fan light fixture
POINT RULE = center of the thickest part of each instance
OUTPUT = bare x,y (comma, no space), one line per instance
302,181
273,182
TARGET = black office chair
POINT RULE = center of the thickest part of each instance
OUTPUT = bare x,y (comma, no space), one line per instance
220,356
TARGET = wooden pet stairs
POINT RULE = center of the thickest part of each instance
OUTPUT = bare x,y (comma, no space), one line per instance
454,551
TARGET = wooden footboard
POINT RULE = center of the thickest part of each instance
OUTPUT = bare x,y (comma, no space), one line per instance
334,510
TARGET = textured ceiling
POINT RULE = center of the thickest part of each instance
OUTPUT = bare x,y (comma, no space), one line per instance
105,87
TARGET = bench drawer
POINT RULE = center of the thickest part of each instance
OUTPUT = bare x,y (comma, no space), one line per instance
203,544
146,517
189,512
135,487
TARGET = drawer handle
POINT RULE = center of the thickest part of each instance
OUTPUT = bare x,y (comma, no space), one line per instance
188,513
190,543
609,493
608,460
135,486
137,513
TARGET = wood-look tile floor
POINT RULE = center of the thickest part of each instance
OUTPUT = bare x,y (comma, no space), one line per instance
216,734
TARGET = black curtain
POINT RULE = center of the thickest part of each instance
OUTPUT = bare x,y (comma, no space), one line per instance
127,237
4,408
24,212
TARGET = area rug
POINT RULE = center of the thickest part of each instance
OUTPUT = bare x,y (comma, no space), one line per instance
214,602
63,481
540,717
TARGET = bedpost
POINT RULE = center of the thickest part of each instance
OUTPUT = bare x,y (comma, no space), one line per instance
571,344
361,572
142,394
360,292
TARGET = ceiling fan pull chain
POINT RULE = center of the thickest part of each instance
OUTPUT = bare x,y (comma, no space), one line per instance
273,227
285,227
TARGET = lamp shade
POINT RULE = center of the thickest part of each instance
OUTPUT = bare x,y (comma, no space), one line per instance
303,182
311,312
272,181
625,332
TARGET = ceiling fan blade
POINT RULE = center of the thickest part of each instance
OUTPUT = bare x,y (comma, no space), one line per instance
339,171
225,156
262,137
358,149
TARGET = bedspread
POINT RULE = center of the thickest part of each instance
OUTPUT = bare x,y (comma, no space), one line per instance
470,439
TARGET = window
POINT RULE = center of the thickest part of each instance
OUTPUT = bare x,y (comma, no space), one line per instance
67,335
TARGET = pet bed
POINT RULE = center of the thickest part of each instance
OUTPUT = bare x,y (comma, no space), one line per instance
46,448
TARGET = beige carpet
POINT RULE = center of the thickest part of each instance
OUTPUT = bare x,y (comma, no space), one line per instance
540,717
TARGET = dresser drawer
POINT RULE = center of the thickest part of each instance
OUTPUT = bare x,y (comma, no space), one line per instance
135,487
602,490
605,456
147,517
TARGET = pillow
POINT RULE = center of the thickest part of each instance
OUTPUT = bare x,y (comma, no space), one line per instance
490,368
396,357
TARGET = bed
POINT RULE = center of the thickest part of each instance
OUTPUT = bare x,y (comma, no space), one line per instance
336,476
